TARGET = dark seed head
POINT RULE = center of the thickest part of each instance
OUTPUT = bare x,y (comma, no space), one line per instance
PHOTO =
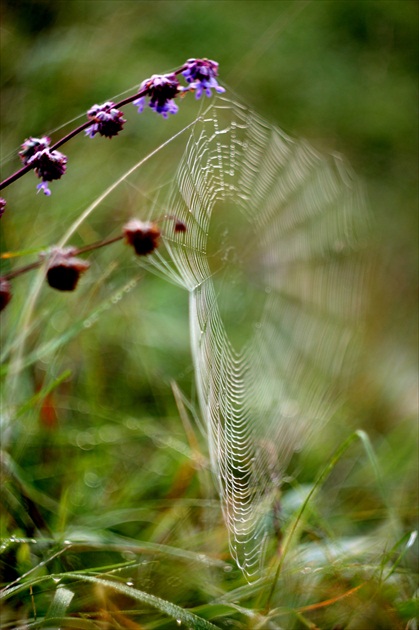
64,269
180,226
143,236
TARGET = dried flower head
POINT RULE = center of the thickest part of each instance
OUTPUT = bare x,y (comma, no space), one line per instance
107,120
5,293
64,269
200,74
143,236
2,206
48,165
32,146
180,226
162,89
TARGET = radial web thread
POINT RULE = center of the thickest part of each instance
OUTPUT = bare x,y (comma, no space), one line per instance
272,265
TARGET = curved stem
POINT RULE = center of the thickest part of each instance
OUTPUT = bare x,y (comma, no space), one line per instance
81,250
25,169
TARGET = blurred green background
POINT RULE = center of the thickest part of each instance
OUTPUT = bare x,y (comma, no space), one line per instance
341,74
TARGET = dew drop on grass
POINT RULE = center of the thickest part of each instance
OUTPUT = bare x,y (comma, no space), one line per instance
179,622
130,583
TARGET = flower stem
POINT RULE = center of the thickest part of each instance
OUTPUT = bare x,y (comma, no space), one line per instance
25,169
81,250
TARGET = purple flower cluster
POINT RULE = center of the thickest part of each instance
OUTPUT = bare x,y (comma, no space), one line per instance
200,74
31,146
107,120
162,89
48,165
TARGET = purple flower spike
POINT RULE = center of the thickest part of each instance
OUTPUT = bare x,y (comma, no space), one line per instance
200,74
162,89
107,120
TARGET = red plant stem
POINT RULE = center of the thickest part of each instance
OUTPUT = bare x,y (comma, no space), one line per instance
89,248
21,270
25,169
75,252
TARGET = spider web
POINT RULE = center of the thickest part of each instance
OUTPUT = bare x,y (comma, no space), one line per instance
271,262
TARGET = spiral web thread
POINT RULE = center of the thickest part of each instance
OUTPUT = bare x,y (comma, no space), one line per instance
271,262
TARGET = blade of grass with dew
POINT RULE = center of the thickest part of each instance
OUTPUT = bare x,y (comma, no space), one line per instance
166,607
59,605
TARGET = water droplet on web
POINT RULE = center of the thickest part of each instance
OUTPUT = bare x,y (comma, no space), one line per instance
130,583
179,622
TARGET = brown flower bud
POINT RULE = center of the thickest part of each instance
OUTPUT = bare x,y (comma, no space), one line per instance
5,293
64,269
143,236
180,226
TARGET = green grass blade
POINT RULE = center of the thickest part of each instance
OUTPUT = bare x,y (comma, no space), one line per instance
59,605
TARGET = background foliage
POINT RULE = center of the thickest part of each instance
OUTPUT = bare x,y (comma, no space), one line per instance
101,452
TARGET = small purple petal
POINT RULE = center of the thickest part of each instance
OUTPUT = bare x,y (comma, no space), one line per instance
139,102
91,131
44,187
